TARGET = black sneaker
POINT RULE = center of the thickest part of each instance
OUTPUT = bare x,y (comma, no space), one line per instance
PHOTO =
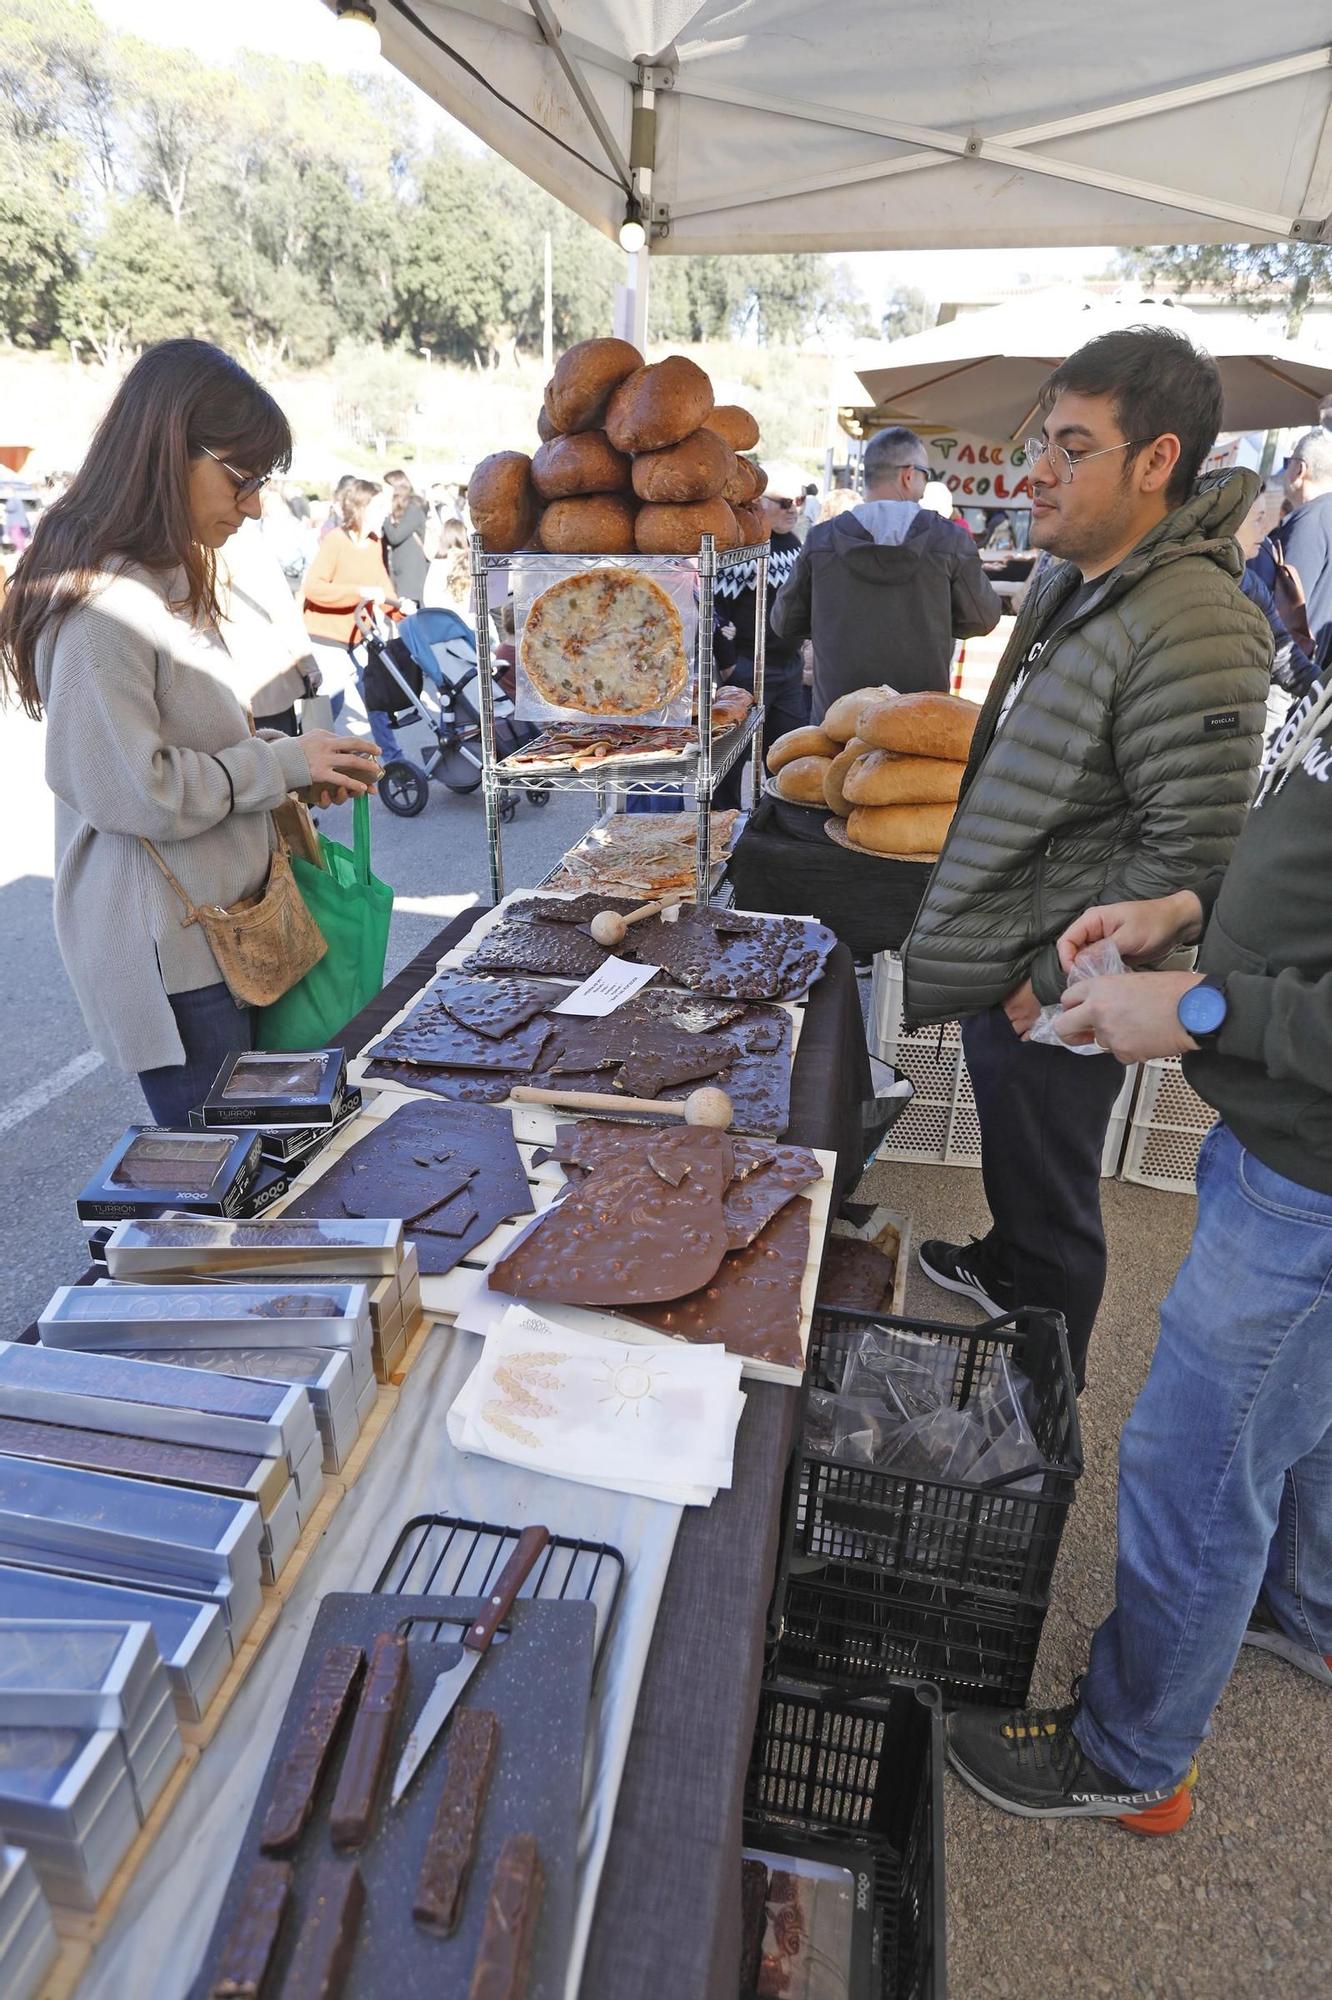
1264,1633
960,1269
1029,1762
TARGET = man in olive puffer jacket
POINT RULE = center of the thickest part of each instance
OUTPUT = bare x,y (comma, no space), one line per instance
1113,761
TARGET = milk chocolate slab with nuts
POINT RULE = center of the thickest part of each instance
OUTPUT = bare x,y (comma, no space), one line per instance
512,1914
473,1740
361,1779
752,1306
247,1951
297,1782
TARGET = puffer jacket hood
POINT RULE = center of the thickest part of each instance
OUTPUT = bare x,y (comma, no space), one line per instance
1124,766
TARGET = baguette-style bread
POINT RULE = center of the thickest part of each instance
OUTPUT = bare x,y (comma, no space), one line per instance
587,462
658,405
735,425
882,778
503,502
802,781
799,743
843,715
835,776
666,530
593,524
900,829
922,725
700,467
586,377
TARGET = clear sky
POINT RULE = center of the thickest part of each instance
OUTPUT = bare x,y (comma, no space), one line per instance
215,29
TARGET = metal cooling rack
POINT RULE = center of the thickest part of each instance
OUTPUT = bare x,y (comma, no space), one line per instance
439,1556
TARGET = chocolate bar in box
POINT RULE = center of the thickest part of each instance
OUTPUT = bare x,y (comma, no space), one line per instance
93,1677
152,1167
191,1637
335,1248
255,1088
325,1374
292,1145
28,1942
110,1314
67,1795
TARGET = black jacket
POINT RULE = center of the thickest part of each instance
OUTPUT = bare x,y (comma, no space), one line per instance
407,560
884,598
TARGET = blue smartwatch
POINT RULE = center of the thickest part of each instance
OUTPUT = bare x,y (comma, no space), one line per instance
1202,1012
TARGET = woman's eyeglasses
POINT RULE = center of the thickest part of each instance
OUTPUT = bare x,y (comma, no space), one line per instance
1062,462
247,483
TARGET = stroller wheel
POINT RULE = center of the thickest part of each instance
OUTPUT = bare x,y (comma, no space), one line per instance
508,807
404,790
538,795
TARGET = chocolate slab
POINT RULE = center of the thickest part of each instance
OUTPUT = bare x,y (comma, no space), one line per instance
296,1782
473,1740
627,1234
247,1951
430,1034
753,1199
856,1276
490,1007
726,952
752,1306
361,1779
559,951
326,1942
383,1174
505,1957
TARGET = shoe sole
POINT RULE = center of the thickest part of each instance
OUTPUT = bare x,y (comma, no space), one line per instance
1166,1816
967,1291
1312,1664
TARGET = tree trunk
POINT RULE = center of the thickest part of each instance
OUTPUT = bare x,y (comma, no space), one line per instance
1299,299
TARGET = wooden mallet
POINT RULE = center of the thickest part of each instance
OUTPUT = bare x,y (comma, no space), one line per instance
707,1106
608,927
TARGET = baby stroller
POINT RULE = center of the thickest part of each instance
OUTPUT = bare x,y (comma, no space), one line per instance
417,678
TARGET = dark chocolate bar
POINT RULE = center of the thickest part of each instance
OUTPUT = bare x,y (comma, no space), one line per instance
472,1744
248,1949
296,1783
322,1955
504,1957
362,1776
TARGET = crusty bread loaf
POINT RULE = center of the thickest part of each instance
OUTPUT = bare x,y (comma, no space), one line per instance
666,530
835,777
882,778
659,405
799,743
801,781
751,525
739,429
698,468
843,715
586,377
760,473
585,463
742,486
503,501
593,524
545,428
900,829
922,725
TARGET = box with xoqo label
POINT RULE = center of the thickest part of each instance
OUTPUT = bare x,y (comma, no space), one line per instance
152,1167
254,1088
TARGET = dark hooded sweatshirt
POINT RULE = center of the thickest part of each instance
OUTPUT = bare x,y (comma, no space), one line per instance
884,592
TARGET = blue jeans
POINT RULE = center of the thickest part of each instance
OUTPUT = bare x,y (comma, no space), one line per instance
1225,1470
212,1027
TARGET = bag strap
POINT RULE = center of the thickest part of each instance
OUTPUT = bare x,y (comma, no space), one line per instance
193,917
361,838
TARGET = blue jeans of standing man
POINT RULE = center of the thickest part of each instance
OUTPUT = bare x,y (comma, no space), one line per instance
212,1027
1225,1470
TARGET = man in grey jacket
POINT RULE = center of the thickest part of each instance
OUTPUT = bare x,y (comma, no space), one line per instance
886,590
1113,761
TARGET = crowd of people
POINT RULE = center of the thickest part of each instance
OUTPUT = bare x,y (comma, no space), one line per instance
1123,789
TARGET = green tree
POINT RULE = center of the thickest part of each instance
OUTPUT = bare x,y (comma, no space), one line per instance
461,281
1243,272
906,311
145,280
39,249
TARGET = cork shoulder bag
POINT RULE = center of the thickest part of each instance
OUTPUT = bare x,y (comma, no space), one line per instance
263,944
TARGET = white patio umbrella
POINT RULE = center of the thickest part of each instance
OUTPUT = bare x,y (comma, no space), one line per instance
983,372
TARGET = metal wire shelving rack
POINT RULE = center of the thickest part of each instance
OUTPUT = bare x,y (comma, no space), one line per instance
696,778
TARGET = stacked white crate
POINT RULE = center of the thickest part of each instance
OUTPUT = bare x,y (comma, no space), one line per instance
1167,1128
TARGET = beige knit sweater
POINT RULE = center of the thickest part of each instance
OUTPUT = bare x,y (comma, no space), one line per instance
145,735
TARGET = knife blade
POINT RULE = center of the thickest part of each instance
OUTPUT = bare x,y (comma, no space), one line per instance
440,1702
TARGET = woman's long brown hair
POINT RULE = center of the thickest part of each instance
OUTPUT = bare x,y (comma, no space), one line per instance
129,500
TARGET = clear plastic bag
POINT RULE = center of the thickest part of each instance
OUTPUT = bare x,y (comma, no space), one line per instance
678,578
1095,962
921,1372
1009,1452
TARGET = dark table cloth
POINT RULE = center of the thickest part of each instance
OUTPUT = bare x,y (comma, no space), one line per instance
785,863
668,1911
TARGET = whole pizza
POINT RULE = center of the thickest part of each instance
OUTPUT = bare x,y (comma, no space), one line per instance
605,642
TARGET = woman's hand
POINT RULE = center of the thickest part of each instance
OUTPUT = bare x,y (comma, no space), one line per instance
344,766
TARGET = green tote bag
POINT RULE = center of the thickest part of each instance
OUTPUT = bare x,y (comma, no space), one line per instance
352,909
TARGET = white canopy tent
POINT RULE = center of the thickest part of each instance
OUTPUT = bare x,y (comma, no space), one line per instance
772,125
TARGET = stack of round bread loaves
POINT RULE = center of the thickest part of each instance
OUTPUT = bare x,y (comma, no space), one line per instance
634,456
888,764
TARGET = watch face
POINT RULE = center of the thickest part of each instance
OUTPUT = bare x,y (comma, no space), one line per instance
1202,1010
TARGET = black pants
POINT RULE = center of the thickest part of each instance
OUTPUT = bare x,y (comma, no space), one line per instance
1044,1114
785,706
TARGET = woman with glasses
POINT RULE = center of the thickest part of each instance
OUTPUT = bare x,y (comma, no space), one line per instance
112,629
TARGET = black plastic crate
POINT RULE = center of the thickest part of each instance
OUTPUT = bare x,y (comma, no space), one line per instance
832,1772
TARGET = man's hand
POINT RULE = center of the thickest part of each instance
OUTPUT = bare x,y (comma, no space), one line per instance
1023,1009
1138,930
1132,1014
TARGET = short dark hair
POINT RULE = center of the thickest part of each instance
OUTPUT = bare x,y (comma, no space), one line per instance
1158,381
889,449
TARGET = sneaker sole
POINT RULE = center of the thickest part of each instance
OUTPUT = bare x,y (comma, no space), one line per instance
1312,1664
967,1291
1166,1816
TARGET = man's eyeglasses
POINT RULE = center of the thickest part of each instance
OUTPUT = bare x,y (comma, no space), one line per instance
247,483
1062,462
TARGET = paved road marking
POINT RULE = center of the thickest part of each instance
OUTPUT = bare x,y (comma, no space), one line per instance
434,906
54,1085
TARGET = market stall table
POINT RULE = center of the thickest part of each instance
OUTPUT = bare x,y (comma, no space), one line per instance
784,863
